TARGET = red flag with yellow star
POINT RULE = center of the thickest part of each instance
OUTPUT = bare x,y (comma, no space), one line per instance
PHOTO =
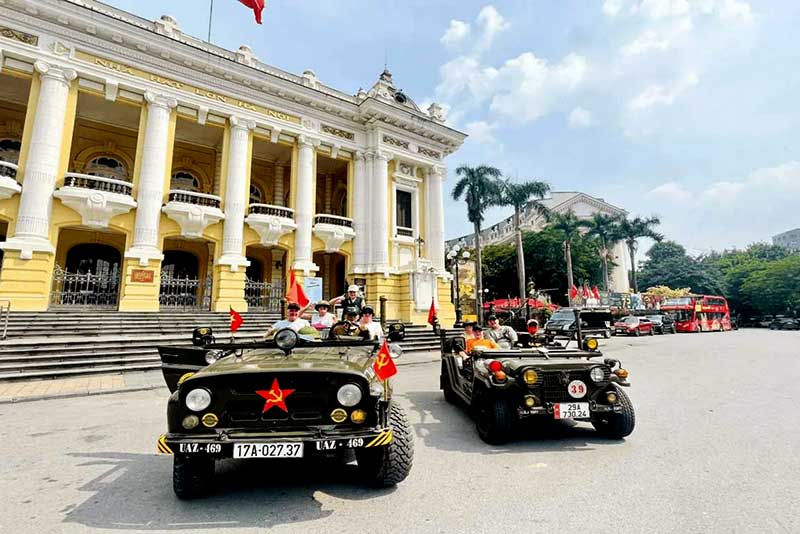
275,396
236,320
384,366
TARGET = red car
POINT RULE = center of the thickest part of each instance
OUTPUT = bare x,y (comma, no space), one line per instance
633,326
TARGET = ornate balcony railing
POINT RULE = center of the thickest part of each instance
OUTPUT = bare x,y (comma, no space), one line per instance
97,183
8,169
269,209
401,231
198,199
335,220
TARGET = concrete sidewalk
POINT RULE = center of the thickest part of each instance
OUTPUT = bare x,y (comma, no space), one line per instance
102,384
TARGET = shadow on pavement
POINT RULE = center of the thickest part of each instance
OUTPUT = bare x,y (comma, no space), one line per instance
449,427
135,492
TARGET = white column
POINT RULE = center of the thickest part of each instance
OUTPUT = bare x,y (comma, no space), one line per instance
360,215
434,218
236,194
32,232
619,274
154,169
277,187
380,216
304,208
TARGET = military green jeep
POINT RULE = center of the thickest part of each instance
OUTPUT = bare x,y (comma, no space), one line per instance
288,397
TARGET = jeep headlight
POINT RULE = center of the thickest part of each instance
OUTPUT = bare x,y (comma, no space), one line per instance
198,399
597,374
530,377
212,356
349,395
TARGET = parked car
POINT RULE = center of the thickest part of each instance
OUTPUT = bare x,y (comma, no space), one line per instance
784,323
633,326
594,322
662,324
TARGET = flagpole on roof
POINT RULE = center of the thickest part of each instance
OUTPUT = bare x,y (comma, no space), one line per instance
210,13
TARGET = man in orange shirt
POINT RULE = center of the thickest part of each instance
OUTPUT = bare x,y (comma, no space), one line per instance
479,341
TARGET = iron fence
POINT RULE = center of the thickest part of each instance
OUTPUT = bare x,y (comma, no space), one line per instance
184,293
98,290
264,296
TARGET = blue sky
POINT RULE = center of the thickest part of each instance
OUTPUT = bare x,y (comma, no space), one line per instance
687,109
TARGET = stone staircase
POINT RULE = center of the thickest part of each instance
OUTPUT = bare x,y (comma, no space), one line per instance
60,343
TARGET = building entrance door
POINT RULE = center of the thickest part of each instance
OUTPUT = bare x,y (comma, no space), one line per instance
90,277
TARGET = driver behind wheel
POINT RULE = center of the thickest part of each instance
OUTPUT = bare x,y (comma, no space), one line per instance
292,320
349,326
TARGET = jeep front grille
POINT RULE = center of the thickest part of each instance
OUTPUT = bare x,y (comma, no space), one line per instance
554,386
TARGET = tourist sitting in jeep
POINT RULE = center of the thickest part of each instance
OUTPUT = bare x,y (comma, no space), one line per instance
292,321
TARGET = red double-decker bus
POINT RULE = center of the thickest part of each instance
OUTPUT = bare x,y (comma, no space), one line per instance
699,313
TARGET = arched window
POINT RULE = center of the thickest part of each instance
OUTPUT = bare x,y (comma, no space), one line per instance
9,150
107,167
255,195
185,181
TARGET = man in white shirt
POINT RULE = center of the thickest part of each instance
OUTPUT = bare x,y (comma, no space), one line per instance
505,336
292,320
375,330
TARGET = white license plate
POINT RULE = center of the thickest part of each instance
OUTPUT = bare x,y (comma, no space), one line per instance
571,410
267,450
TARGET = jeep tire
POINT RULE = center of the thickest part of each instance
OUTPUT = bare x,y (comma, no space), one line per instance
494,420
386,466
449,395
191,477
616,425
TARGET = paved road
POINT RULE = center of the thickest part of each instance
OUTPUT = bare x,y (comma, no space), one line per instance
715,450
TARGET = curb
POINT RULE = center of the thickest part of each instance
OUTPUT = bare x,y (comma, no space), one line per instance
132,389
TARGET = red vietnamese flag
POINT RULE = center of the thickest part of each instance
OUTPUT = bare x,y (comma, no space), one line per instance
573,292
257,6
236,320
296,293
384,366
585,291
432,314
596,292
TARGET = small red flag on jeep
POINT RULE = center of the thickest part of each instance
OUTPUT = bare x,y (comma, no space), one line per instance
384,366
257,6
432,314
236,320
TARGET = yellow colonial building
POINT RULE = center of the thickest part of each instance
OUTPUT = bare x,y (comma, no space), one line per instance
143,169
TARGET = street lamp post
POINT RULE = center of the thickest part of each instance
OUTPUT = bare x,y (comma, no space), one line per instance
454,257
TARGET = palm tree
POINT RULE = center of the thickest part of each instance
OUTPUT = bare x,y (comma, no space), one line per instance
605,228
569,225
518,196
479,187
632,229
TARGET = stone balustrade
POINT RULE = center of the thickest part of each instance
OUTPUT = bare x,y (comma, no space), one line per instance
191,197
97,183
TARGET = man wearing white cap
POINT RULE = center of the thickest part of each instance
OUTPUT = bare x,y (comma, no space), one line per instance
350,302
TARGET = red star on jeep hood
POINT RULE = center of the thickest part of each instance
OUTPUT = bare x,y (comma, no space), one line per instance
275,396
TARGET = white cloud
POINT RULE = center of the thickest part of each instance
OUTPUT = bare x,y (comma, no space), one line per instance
456,33
612,7
657,40
658,9
580,118
655,94
734,9
493,23
528,87
670,191
480,132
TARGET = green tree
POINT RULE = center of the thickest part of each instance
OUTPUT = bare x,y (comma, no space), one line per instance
631,230
569,226
518,196
668,264
605,228
775,288
479,187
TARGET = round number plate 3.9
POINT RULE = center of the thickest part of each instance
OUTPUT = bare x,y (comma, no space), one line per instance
576,389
